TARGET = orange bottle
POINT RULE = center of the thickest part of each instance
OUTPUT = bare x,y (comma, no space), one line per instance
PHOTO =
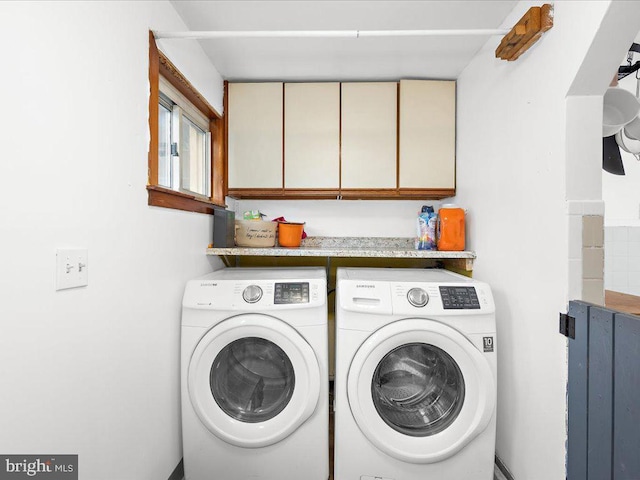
450,228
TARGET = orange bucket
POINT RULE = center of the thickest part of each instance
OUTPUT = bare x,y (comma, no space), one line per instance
290,234
451,228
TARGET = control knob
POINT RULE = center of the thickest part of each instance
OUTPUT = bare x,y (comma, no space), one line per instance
252,294
417,297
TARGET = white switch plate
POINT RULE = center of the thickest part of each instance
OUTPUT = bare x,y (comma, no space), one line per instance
72,268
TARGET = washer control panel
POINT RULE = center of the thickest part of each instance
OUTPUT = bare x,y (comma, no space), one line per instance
459,298
259,290
286,293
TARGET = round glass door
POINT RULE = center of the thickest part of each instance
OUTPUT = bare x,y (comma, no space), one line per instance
252,379
418,389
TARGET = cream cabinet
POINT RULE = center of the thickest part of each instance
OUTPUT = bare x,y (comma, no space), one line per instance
355,140
427,134
369,135
312,135
254,135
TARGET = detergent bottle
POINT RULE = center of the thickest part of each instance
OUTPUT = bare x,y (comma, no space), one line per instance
451,230
426,229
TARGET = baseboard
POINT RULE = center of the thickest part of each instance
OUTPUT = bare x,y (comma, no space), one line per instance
178,472
502,472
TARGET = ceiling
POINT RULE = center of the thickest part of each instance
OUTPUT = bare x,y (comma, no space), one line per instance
372,58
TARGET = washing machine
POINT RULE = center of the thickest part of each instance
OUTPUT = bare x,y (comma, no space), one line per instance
254,375
415,388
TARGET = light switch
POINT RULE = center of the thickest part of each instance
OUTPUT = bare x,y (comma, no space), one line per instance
72,268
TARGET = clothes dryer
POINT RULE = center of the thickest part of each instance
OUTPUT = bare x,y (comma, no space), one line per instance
415,376
254,375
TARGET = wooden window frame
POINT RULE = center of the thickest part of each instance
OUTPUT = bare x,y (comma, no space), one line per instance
161,196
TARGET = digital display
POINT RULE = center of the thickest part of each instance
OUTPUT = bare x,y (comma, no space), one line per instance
291,293
459,298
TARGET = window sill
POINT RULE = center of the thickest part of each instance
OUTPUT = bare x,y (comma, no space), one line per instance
167,198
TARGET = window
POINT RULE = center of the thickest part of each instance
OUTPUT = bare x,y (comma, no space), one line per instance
186,165
184,160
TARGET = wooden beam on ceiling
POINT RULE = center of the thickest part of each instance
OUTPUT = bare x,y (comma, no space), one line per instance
526,32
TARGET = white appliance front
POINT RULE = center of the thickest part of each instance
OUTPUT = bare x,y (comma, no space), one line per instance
388,399
254,377
415,377
253,380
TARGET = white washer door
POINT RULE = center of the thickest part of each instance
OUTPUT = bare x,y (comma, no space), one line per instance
420,391
253,380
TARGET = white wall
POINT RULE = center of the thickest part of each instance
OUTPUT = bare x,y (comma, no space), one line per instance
343,218
91,371
511,174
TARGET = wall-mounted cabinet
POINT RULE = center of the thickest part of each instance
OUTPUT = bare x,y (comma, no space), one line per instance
312,136
427,134
254,135
369,135
352,140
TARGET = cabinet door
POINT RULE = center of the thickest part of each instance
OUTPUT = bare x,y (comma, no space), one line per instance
427,134
255,135
369,135
311,135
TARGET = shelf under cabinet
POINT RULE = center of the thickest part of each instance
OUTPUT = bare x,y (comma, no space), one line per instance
355,247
